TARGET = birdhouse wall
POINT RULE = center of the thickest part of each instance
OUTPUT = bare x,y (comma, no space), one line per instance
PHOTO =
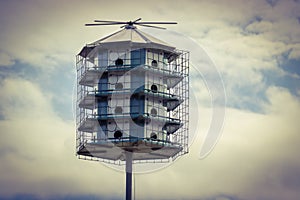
103,82
153,81
137,105
138,57
155,59
137,80
137,130
119,105
153,130
102,107
101,133
154,107
102,59
123,56
118,80
120,125
107,58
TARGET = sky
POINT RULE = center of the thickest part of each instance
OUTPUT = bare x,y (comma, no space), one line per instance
255,49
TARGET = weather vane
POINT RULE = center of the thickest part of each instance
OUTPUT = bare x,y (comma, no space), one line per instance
129,24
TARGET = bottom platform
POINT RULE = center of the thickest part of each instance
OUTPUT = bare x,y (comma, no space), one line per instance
141,149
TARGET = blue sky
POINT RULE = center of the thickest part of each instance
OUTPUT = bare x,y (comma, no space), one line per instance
254,45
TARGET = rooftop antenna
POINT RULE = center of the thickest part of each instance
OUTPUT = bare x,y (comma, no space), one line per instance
129,24
132,99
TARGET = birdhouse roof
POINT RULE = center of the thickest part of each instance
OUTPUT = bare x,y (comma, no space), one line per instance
128,38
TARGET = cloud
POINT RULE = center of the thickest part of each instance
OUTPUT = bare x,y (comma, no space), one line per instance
251,160
244,47
38,147
48,34
6,60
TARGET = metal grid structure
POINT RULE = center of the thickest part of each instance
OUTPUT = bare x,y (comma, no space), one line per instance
132,100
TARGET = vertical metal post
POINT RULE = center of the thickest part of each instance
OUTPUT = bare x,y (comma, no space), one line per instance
128,175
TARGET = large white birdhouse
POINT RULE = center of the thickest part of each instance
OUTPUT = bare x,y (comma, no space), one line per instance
132,96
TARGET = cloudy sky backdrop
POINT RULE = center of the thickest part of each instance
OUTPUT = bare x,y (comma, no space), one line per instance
255,45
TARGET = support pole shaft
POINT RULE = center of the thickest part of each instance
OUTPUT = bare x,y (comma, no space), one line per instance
128,175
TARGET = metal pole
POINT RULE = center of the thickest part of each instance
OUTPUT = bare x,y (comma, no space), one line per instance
128,175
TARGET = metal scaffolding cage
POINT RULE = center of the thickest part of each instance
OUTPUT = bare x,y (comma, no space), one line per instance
132,99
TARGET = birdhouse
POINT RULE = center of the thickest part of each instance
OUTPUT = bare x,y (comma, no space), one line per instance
132,96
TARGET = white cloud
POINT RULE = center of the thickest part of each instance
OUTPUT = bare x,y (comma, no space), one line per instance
247,162
38,148
250,161
5,60
260,27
